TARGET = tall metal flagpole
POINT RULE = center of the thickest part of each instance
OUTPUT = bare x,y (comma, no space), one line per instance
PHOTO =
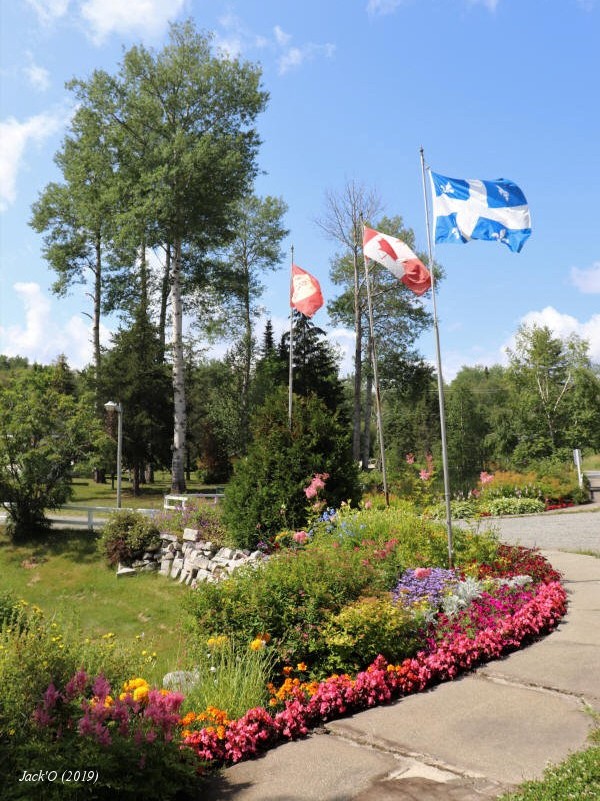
439,372
376,378
291,367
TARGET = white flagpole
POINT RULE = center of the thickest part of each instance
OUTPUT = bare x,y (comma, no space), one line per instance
291,366
376,379
439,372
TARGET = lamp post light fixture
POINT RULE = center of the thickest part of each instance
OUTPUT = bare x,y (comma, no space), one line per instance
111,407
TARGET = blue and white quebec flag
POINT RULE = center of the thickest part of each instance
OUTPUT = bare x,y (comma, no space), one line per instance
471,209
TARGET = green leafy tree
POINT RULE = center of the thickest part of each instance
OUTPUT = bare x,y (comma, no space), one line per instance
254,250
76,216
544,371
266,493
399,317
134,374
197,113
43,433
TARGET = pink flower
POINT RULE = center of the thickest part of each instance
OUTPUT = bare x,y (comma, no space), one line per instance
300,537
368,504
410,458
422,572
485,478
424,475
317,483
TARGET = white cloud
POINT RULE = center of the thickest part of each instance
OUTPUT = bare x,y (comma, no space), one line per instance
15,136
281,37
237,37
296,56
491,5
37,76
563,325
49,10
139,17
381,7
587,281
41,339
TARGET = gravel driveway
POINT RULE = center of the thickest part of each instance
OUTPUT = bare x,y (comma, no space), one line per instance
567,530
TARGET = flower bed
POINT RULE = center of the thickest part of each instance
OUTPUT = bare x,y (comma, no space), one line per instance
489,627
492,609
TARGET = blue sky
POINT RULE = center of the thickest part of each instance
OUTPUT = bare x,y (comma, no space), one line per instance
489,88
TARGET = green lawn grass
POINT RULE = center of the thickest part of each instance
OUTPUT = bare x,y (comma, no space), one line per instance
87,493
576,779
66,576
591,462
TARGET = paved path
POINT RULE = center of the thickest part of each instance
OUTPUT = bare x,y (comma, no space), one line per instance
466,740
569,529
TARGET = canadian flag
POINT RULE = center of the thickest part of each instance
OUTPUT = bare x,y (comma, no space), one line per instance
398,258
306,292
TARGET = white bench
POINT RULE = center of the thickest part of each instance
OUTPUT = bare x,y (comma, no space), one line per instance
180,501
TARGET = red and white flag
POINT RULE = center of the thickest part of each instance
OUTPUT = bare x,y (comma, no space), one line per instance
398,258
306,292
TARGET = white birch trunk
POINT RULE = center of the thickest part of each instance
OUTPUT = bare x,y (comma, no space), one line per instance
179,407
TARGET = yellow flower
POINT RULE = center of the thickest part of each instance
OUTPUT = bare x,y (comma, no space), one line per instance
257,644
141,693
217,642
301,666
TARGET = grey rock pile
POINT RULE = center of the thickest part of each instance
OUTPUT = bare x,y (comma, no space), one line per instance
192,560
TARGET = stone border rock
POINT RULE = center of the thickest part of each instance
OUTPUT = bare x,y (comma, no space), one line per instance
191,560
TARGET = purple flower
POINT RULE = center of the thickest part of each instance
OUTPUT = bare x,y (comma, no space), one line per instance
415,586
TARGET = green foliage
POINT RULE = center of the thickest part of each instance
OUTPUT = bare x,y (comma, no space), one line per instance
126,536
39,651
42,433
514,506
36,652
368,627
230,676
286,597
577,779
294,593
266,493
133,372
461,509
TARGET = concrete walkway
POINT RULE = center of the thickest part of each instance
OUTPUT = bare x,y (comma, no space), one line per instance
466,740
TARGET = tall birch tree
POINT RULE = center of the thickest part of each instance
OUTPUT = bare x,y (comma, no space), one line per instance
194,114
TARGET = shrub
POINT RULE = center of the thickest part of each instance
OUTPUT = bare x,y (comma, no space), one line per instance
266,493
125,740
34,654
287,597
514,506
369,627
127,535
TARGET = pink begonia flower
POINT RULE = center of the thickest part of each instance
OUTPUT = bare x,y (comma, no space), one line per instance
422,572
424,475
410,458
300,537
